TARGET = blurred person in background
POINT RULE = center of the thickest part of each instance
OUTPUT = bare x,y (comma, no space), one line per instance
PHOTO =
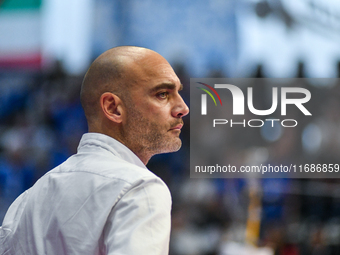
103,200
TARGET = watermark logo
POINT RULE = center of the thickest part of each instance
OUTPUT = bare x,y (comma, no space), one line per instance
238,99
204,97
300,98
258,127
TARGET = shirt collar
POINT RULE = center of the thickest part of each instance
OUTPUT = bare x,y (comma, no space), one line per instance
112,145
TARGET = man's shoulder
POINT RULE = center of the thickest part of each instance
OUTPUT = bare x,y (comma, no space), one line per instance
104,166
90,177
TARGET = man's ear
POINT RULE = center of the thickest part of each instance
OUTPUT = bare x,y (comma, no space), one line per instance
111,106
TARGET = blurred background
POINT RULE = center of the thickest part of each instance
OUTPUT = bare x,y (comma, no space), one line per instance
47,45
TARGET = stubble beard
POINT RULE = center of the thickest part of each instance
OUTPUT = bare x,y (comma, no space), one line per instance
149,138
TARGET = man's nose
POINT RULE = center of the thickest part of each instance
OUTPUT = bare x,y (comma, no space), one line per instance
180,109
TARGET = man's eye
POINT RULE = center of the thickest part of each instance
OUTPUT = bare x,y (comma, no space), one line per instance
163,95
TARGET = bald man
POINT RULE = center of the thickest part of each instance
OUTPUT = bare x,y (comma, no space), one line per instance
103,200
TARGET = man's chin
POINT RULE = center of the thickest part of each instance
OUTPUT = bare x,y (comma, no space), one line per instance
176,145
172,146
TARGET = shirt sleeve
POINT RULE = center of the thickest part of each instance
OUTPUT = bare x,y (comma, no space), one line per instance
140,222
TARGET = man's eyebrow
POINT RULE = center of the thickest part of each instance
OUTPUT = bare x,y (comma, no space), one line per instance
166,86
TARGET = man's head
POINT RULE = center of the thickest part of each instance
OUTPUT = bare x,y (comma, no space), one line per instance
131,94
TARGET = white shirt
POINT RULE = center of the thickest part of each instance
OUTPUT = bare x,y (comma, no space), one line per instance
102,200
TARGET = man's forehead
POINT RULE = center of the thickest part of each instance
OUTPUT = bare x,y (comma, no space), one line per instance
154,68
156,64
170,86
146,69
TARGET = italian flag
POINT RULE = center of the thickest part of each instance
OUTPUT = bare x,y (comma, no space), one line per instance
20,34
